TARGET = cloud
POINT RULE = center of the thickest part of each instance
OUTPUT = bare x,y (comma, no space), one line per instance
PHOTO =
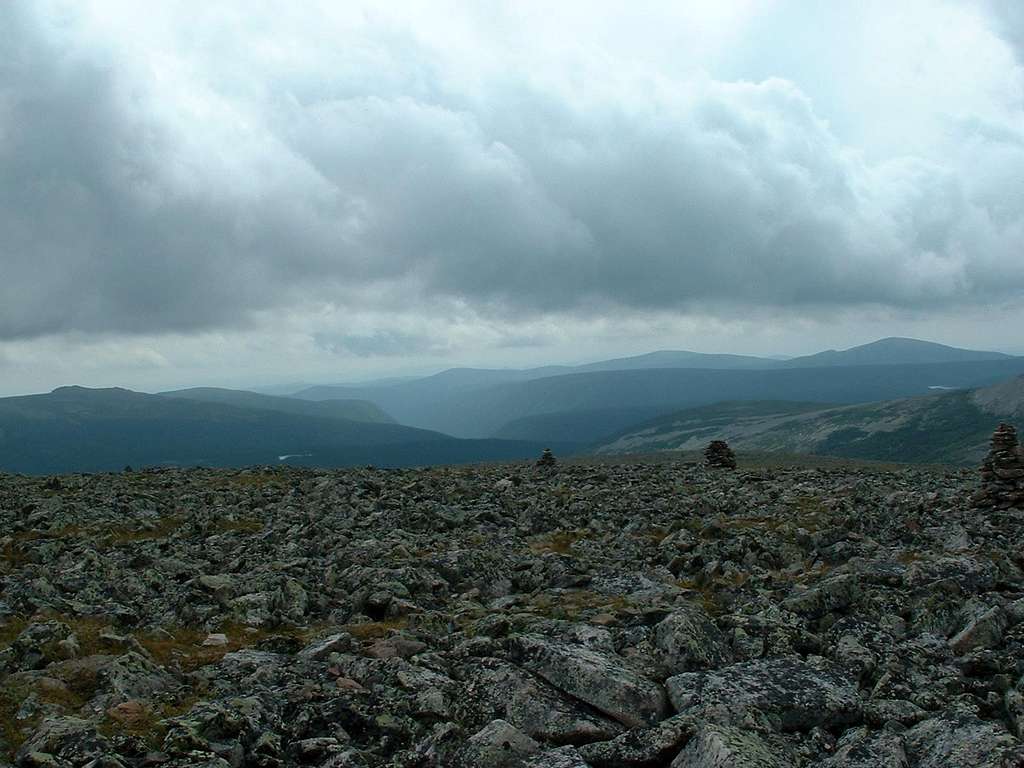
1009,19
383,343
211,175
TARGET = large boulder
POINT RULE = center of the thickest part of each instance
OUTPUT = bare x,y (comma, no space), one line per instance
131,676
724,746
69,739
642,747
598,678
828,596
795,695
562,757
536,707
689,640
497,745
961,739
984,631
863,748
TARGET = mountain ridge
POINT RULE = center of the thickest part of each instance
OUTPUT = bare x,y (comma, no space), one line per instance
893,350
351,409
470,402
81,429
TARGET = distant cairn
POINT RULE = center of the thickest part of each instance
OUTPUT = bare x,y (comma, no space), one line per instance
1002,472
547,459
718,455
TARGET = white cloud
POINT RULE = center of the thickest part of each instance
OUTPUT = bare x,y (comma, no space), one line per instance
175,169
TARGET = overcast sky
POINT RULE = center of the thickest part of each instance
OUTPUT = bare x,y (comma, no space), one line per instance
243,193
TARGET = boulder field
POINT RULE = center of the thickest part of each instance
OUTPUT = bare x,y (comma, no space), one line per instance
572,614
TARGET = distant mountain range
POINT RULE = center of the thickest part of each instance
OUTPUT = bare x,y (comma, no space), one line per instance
74,429
893,351
353,410
579,404
947,427
829,402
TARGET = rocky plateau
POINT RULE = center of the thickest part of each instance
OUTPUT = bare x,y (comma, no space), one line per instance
641,614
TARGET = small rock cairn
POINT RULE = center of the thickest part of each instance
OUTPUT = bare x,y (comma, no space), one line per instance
1002,472
719,455
547,459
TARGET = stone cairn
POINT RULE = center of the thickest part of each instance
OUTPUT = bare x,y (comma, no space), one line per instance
547,459
1002,472
719,455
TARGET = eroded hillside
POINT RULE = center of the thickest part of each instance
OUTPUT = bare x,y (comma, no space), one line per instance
946,427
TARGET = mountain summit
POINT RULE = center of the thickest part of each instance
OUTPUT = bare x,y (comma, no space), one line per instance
894,350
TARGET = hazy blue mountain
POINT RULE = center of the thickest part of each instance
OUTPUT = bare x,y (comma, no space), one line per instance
456,379
354,410
893,351
77,429
484,412
280,390
438,384
582,427
947,427
678,359
545,403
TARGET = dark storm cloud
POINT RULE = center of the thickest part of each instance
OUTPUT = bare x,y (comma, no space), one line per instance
129,205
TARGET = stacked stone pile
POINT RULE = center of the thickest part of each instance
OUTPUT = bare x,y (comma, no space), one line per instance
1002,473
718,454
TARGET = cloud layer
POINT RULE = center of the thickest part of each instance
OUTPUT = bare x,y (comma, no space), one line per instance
203,170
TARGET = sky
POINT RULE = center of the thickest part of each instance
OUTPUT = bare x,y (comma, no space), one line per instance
252,193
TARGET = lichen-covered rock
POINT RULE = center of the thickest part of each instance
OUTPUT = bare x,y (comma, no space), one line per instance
863,748
562,757
794,694
598,678
39,644
959,738
724,746
535,707
828,596
690,640
131,676
496,745
641,747
985,631
70,739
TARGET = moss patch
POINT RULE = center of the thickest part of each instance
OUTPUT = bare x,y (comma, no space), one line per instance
572,604
559,543
10,629
372,630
